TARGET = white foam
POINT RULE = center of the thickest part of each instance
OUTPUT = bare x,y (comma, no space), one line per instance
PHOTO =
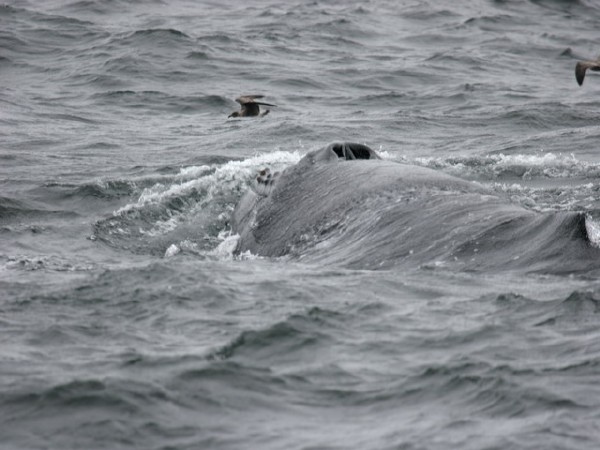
386,155
193,171
227,176
162,227
227,246
593,231
248,256
172,251
524,165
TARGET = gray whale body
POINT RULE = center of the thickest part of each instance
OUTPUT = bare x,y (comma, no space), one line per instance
344,205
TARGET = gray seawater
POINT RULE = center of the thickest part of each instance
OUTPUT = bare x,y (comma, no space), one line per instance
126,320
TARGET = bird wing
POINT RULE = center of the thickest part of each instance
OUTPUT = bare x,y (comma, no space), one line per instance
250,109
247,99
580,69
582,66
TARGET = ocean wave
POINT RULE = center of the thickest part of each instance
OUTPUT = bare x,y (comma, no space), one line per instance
579,311
283,341
152,40
91,6
45,33
159,32
52,263
486,389
500,166
104,189
192,207
544,181
10,208
199,55
162,101
12,211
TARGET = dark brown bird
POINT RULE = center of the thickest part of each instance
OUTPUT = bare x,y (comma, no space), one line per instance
250,107
582,66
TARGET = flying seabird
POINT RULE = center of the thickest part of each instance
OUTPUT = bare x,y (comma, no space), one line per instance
582,66
250,108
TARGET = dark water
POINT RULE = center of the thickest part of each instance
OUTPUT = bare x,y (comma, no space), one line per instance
126,321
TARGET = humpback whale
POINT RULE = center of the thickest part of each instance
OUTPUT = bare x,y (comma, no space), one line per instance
250,106
344,205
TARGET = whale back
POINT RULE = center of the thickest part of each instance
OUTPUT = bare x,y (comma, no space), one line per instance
336,207
325,187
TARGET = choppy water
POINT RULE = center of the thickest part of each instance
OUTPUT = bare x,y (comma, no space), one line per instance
126,321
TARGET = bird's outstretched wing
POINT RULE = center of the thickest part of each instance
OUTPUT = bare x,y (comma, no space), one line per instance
582,66
245,99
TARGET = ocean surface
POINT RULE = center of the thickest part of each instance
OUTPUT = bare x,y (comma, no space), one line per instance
127,320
